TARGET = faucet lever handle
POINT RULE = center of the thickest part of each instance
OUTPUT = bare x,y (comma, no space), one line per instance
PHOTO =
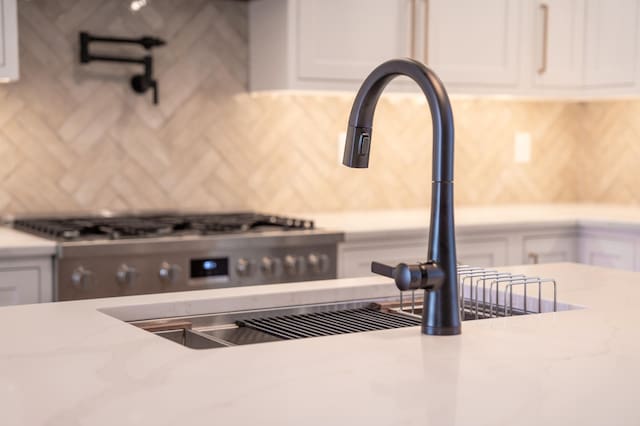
427,276
382,269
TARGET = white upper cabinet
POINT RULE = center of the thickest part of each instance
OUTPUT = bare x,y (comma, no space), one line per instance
585,44
558,43
326,45
9,40
335,44
611,43
533,48
472,43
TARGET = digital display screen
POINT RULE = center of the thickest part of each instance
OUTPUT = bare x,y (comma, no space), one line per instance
213,267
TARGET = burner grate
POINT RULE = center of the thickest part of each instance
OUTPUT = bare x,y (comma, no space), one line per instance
244,222
149,226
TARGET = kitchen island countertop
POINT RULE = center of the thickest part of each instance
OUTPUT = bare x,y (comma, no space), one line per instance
75,363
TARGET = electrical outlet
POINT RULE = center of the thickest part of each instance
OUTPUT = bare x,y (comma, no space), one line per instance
342,138
522,147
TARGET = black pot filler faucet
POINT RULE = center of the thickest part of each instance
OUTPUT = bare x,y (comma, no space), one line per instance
437,276
140,83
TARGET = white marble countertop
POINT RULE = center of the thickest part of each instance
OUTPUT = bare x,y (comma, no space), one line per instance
19,244
517,217
69,364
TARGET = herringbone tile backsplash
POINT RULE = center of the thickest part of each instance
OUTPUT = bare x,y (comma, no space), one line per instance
76,137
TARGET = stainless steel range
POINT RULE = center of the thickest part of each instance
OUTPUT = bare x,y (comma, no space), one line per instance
138,254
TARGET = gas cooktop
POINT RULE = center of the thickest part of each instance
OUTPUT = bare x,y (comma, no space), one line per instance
84,228
105,255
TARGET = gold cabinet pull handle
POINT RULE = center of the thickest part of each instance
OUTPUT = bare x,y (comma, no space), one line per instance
426,32
412,29
545,37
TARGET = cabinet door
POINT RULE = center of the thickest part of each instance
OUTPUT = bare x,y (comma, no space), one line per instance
607,251
355,261
558,43
471,42
346,40
26,280
548,249
611,42
9,40
482,252
19,286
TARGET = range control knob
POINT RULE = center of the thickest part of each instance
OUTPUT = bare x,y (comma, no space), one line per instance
290,265
243,267
318,263
294,265
126,274
81,277
169,273
270,266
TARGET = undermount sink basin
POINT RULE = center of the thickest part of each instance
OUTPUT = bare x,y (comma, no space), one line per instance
217,338
484,294
252,327
272,325
190,338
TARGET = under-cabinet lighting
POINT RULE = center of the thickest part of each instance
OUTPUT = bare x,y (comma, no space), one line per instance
275,94
419,98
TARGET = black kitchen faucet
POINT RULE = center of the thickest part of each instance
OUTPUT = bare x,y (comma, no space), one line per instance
437,276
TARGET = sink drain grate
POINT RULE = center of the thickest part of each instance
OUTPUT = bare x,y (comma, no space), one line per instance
329,323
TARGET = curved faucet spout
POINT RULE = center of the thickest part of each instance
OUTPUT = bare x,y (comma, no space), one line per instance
441,309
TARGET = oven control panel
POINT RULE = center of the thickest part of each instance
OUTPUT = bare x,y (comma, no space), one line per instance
94,276
264,268
289,265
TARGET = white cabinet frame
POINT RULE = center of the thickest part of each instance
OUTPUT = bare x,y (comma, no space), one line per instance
26,280
8,40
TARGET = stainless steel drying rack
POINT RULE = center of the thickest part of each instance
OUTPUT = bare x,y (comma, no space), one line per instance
488,293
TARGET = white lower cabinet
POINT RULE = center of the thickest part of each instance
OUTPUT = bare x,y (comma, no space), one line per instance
355,259
611,250
480,247
549,248
26,280
483,252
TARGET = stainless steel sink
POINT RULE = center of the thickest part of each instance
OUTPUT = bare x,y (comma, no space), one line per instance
262,326
483,294
190,338
208,339
205,332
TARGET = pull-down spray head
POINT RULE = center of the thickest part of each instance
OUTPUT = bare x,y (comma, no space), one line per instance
356,149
